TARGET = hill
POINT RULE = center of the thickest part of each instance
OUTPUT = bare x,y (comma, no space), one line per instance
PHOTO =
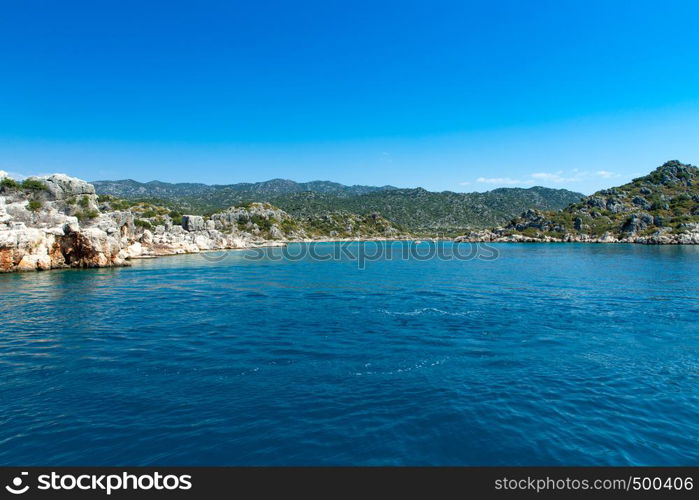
661,207
219,195
422,210
414,209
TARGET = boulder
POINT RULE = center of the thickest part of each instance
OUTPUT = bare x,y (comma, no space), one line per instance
61,186
193,223
640,201
147,236
275,233
607,238
637,223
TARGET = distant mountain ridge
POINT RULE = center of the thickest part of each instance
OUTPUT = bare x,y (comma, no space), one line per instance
129,188
414,209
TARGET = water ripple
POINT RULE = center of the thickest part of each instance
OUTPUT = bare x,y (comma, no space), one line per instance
550,355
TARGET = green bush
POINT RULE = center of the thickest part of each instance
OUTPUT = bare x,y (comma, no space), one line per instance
84,202
34,205
87,214
600,226
6,182
262,223
531,232
288,225
33,185
143,223
119,204
176,217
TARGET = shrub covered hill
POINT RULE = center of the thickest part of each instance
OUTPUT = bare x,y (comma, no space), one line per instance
416,210
659,208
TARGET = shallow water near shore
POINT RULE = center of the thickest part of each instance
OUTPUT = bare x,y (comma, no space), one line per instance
558,354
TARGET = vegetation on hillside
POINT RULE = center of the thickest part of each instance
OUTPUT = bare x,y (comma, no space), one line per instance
417,210
664,202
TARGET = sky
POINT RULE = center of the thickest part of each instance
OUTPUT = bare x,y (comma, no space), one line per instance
446,95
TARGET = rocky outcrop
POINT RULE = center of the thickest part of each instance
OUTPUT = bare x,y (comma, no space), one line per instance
62,187
193,223
259,219
637,223
661,208
57,222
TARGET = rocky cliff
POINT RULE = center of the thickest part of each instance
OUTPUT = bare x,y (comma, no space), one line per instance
659,208
58,221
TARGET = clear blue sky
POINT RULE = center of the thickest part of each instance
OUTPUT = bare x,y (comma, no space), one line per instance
463,95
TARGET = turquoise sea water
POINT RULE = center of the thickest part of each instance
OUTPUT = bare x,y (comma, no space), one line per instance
565,354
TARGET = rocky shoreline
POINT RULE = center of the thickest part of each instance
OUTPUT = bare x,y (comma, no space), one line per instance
502,235
58,222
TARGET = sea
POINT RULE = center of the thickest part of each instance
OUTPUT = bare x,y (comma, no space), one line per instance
357,353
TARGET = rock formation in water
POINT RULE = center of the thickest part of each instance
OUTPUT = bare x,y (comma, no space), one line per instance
659,208
58,221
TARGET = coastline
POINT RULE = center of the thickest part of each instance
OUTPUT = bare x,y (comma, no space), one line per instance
687,238
58,222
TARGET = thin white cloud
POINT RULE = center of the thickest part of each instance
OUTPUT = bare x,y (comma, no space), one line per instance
558,177
465,183
542,175
575,175
500,180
